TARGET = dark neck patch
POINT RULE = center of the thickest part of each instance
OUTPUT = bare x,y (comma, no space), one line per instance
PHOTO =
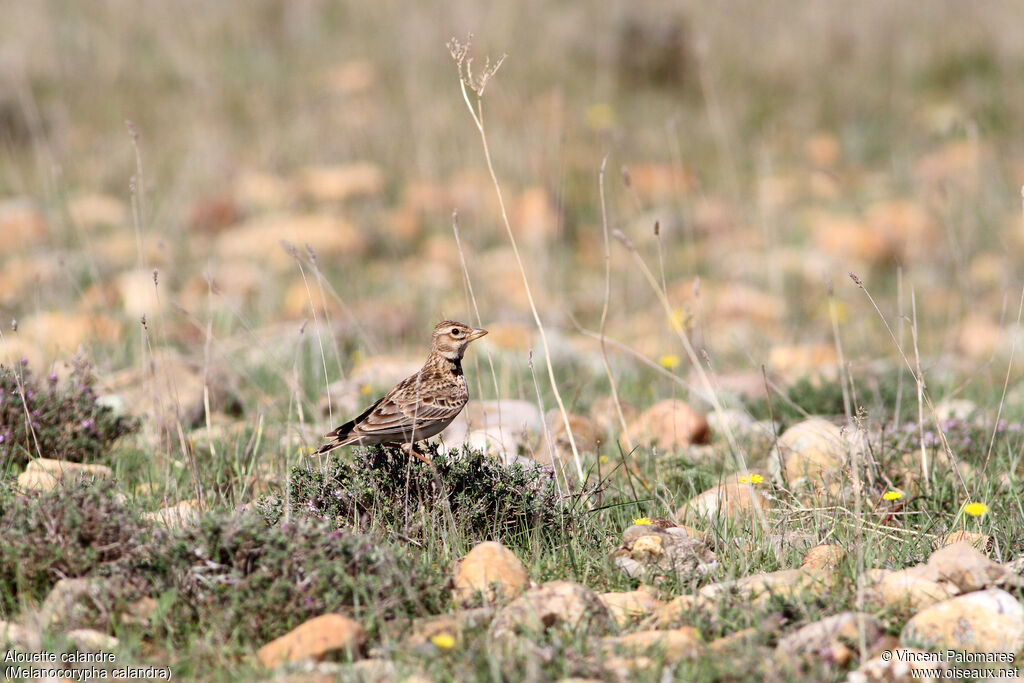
456,368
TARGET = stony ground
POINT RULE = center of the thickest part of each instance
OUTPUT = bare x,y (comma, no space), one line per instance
749,410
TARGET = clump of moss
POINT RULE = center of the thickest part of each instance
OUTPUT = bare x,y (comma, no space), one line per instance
69,532
240,580
382,488
63,420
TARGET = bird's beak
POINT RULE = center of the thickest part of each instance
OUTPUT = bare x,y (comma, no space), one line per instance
476,334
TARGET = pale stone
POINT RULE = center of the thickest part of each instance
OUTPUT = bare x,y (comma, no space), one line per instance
314,638
962,565
91,640
177,516
556,604
823,557
492,569
629,606
733,500
670,424
45,474
841,630
672,645
991,620
813,451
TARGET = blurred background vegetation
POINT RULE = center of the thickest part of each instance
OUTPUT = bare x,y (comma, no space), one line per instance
777,145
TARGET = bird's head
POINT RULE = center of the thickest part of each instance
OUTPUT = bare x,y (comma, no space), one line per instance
451,339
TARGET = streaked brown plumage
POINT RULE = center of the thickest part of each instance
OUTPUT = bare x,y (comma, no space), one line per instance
419,406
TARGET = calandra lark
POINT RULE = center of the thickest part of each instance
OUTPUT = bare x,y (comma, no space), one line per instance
420,406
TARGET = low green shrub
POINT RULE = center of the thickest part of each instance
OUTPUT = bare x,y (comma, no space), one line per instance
61,420
382,488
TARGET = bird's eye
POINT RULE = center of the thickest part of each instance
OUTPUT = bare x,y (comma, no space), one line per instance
456,332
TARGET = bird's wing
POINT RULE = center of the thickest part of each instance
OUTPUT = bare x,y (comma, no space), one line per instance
404,414
399,414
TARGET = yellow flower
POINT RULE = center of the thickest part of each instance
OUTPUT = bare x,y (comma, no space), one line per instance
751,479
365,389
443,641
599,117
892,495
744,480
603,460
669,361
643,521
976,509
838,310
679,320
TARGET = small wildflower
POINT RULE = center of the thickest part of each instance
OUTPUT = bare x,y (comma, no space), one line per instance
599,117
365,389
751,479
669,361
642,521
976,509
679,320
603,460
443,641
892,495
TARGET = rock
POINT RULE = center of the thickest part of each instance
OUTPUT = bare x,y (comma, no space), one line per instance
649,549
73,603
370,671
140,612
556,604
962,565
627,607
823,557
914,588
52,334
491,569
172,390
982,542
45,474
340,182
514,416
259,190
315,638
627,668
22,224
823,150
534,216
991,620
738,423
906,665
812,451
91,640
18,636
671,423
178,516
260,239
837,636
139,295
453,623
671,646
683,609
501,444
584,432
91,211
800,360
733,500
785,583
213,213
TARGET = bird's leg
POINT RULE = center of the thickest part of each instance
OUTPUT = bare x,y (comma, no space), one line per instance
410,449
